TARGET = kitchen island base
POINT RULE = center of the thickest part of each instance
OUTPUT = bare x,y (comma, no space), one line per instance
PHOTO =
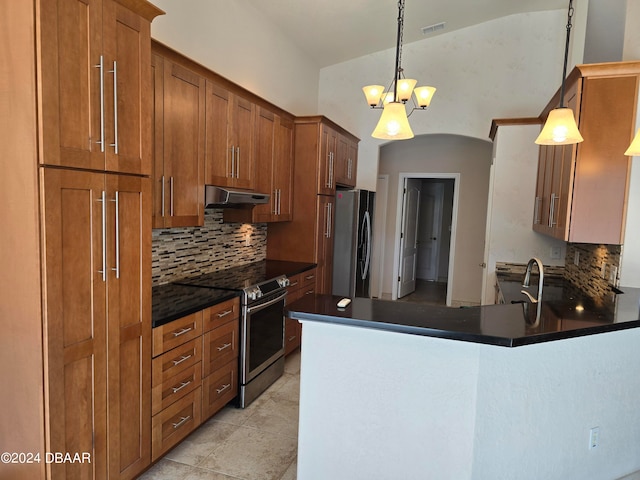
376,404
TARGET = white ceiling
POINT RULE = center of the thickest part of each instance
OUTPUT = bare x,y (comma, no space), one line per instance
333,31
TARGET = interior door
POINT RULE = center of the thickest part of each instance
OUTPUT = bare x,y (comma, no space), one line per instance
429,232
409,237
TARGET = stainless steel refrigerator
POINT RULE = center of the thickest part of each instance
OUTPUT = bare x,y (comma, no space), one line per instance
352,246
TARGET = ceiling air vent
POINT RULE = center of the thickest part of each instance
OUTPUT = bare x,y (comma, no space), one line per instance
433,28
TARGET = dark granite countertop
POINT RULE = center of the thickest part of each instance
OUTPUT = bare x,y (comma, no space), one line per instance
509,325
176,300
173,301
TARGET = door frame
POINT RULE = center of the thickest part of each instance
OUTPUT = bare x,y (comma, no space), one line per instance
454,223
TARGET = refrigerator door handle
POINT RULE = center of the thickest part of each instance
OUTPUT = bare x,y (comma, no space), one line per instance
366,235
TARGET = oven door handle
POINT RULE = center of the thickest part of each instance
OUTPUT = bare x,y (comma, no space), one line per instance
270,302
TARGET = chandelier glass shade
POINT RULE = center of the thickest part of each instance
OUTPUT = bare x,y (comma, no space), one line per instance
634,148
394,121
560,127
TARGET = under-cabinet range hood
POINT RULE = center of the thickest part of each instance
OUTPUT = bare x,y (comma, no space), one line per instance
224,197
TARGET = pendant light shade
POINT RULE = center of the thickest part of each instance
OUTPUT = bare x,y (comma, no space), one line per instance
393,123
560,128
634,148
424,95
373,94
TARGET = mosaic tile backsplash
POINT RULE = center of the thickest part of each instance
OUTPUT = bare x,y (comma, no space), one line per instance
587,274
179,253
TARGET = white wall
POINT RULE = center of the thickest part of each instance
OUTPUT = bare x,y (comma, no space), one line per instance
511,203
379,405
509,67
234,40
442,154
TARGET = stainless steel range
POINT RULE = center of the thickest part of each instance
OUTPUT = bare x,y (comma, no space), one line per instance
262,300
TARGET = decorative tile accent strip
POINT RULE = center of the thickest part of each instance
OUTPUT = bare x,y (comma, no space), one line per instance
521,268
587,275
178,253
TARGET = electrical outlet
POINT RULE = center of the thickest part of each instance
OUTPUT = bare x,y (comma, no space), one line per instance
594,437
603,270
613,273
555,253
576,259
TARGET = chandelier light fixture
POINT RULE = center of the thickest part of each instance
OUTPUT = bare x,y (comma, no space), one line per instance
634,148
560,127
394,121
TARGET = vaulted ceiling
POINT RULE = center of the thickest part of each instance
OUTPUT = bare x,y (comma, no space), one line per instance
333,31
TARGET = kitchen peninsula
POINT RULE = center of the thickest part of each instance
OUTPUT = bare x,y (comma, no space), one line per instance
399,390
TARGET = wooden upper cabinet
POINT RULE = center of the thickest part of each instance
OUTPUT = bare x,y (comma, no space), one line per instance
95,60
346,162
179,145
581,193
274,166
327,160
230,121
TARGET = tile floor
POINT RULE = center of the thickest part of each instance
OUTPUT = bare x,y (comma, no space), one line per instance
429,293
256,443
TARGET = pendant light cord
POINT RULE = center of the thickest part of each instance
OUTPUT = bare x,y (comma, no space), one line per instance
566,52
398,49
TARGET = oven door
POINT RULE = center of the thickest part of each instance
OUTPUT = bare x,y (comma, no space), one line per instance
262,335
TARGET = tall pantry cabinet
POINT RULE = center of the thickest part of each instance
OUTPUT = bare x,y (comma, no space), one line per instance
308,237
75,296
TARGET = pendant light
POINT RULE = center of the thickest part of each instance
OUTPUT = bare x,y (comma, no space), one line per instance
394,121
634,148
560,127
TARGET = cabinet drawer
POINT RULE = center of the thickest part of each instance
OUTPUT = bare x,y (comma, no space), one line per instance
175,387
174,361
221,313
170,335
175,422
292,330
219,388
308,278
220,346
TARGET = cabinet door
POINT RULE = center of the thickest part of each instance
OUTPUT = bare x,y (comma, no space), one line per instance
324,253
75,277
72,71
283,169
128,96
242,118
218,153
341,167
183,134
326,165
352,163
160,198
129,324
265,157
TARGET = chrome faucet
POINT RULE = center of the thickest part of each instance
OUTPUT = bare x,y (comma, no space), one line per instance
527,277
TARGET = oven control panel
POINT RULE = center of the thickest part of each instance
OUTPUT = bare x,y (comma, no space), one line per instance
253,293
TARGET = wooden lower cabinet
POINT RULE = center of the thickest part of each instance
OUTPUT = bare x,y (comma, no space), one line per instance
194,373
299,285
98,321
176,422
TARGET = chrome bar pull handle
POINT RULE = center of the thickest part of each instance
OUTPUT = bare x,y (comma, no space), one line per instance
182,421
224,387
237,162
329,219
182,359
552,208
233,161
182,332
536,211
162,201
225,313
117,202
103,200
171,196
326,220
115,107
101,67
182,385
223,347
